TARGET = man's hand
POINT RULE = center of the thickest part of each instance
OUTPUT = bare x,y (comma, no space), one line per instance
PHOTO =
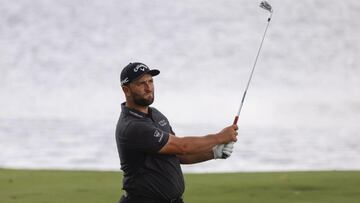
228,149
223,151
228,134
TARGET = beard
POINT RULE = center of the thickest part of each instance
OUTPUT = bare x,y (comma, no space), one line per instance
141,101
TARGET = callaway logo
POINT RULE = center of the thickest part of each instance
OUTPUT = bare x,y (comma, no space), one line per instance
159,135
142,67
162,123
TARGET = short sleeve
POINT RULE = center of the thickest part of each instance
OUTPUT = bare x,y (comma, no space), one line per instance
145,137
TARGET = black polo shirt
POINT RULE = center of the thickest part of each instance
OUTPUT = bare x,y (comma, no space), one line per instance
147,173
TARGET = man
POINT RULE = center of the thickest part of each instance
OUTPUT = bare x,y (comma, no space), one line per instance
150,153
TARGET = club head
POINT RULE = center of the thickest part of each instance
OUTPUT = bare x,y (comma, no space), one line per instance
265,5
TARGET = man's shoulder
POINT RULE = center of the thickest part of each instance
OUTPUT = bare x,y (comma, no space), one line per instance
155,109
124,123
156,112
128,124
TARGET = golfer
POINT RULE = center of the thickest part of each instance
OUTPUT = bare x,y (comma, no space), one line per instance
150,153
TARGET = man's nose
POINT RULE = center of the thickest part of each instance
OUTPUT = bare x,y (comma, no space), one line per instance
148,87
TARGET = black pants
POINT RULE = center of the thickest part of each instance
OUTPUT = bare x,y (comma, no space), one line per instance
138,199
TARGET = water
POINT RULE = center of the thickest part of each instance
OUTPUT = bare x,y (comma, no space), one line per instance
57,144
60,64
72,144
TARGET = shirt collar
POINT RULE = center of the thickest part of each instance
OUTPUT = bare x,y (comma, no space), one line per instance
134,112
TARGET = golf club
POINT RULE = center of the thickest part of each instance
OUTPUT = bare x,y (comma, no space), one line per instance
265,5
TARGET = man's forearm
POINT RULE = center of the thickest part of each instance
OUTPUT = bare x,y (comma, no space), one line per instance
196,158
198,145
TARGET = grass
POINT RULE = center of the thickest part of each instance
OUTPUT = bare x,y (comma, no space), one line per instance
278,187
51,186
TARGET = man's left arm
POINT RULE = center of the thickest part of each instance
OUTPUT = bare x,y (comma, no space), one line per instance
222,151
195,158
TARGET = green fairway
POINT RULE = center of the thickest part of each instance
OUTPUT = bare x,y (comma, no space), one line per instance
50,186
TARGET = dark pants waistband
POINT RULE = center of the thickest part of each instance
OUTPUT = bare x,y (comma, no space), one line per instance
139,199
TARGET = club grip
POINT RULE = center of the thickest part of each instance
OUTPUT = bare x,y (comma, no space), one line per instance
236,120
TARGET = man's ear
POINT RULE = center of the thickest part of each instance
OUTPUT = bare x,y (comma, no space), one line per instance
126,90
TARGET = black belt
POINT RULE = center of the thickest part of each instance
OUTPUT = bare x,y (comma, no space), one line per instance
139,199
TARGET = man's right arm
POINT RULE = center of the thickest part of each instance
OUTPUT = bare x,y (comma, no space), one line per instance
195,145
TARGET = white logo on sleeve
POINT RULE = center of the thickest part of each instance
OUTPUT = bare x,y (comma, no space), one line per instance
158,134
163,123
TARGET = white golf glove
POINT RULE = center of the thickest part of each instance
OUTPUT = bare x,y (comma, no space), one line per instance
223,151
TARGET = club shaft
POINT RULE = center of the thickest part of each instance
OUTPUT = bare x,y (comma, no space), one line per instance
252,71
